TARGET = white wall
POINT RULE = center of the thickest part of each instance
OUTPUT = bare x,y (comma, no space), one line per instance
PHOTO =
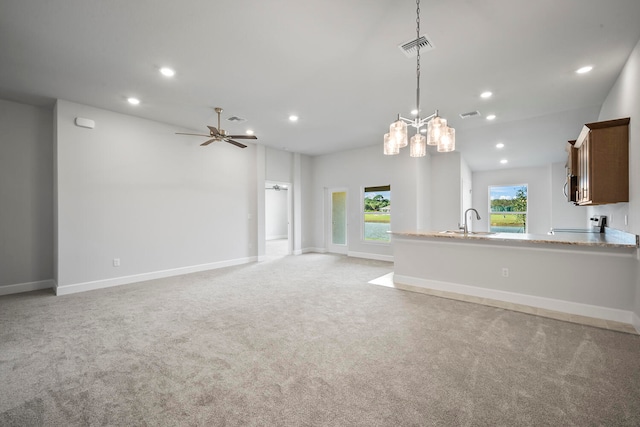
279,165
353,170
26,196
356,169
589,281
131,189
466,190
624,101
276,213
446,189
305,217
426,193
296,169
539,199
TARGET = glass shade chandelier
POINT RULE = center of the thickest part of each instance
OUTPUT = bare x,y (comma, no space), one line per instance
438,133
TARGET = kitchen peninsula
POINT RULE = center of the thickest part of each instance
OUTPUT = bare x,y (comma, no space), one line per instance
587,274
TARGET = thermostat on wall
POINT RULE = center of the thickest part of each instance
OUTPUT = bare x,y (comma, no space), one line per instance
85,123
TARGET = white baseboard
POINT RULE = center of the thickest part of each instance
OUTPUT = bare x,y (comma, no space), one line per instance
368,255
635,321
27,287
314,250
570,307
278,237
124,280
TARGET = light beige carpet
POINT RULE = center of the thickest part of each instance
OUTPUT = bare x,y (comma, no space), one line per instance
303,341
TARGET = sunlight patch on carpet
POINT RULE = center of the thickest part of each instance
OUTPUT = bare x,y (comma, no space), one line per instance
386,280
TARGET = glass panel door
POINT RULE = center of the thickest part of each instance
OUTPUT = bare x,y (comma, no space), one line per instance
339,218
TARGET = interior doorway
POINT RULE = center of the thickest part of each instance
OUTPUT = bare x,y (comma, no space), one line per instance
277,228
337,221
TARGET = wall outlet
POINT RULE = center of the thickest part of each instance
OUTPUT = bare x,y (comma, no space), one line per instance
505,272
116,262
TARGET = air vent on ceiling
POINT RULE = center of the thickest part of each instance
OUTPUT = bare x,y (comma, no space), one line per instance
236,119
469,114
410,48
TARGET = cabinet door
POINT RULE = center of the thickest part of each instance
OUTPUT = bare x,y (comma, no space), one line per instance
603,163
583,174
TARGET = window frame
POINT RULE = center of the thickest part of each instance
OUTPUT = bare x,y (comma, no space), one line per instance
363,193
526,212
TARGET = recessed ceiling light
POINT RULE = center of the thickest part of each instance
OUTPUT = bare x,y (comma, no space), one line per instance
584,69
504,161
414,112
133,101
491,116
486,94
167,72
293,118
249,132
499,145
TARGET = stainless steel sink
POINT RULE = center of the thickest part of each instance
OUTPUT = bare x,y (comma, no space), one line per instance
471,233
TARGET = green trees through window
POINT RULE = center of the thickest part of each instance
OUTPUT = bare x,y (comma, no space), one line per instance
377,213
508,208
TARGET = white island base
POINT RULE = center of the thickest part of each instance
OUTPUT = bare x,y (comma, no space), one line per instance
592,279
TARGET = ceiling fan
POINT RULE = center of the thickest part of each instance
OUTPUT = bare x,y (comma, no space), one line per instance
218,134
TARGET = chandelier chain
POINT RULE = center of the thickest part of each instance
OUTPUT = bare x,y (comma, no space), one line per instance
418,59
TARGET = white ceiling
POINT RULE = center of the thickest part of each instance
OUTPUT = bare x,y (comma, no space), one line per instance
334,63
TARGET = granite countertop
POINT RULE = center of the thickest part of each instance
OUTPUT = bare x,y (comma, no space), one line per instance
611,238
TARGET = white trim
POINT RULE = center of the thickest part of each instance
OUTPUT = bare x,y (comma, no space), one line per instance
526,225
598,312
330,246
635,321
125,280
27,287
367,255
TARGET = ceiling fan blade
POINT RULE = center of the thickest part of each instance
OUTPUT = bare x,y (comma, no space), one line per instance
194,134
236,143
214,131
243,136
207,142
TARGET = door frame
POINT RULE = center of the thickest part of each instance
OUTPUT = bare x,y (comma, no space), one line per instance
289,191
330,247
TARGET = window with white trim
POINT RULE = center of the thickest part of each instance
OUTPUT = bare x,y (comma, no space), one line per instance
508,206
377,213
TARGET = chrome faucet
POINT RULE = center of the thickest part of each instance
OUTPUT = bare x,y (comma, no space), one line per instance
465,228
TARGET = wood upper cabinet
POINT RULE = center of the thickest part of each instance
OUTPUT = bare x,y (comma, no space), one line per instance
603,163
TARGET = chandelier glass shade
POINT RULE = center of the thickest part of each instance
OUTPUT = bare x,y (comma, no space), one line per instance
438,133
390,147
398,131
418,145
435,130
447,141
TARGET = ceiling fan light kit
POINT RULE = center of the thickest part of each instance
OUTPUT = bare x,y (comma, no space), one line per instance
220,135
438,133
